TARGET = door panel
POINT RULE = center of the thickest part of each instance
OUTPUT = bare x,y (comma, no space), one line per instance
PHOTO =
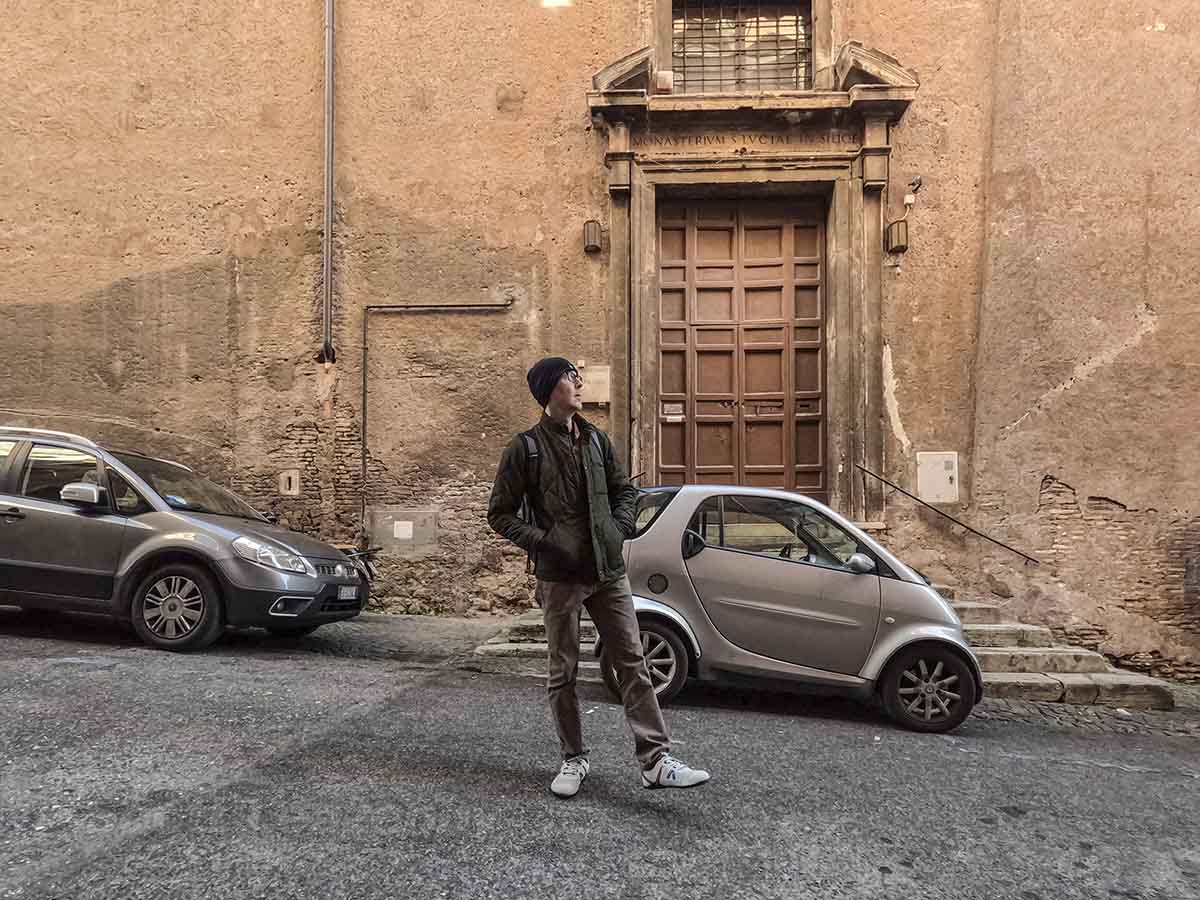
773,580
54,549
792,611
741,362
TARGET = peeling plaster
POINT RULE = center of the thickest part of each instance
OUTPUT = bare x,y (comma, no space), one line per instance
1147,323
889,399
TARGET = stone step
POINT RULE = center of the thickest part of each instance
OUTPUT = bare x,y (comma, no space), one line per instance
534,630
524,649
1009,634
980,613
589,669
1127,690
1044,660
1107,687
1006,635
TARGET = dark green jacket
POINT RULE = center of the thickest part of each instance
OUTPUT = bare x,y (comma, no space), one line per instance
581,518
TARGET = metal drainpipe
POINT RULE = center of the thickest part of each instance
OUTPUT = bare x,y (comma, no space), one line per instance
327,355
362,430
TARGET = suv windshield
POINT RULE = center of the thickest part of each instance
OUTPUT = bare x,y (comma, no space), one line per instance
183,489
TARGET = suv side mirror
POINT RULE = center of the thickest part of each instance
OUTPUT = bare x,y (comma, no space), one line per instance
692,544
80,493
860,564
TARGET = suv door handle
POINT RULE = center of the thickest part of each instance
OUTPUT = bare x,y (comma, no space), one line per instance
12,513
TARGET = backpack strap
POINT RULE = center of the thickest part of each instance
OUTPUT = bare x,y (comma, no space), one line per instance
533,472
533,459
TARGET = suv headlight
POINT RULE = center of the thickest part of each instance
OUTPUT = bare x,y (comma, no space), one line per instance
273,557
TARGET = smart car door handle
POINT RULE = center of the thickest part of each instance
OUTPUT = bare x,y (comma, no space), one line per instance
13,513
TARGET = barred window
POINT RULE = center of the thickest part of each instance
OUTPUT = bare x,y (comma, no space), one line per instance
742,46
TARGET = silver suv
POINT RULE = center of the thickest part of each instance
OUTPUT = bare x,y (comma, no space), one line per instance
153,543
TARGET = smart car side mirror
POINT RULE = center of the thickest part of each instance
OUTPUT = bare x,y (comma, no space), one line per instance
692,544
80,493
860,564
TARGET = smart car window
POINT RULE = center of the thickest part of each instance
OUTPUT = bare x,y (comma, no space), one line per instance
762,525
650,505
823,529
49,469
706,521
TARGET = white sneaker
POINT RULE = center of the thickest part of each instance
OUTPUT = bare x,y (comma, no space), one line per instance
570,777
668,772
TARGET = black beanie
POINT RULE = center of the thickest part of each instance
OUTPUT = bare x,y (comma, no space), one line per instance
545,375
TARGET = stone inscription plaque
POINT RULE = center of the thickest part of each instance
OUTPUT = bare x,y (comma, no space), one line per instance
735,141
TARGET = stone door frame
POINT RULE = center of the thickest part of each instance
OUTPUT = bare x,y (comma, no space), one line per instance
855,86
853,338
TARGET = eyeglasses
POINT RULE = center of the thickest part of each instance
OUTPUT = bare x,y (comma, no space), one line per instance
574,377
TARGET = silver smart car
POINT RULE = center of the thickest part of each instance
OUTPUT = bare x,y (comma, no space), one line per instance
737,582
153,543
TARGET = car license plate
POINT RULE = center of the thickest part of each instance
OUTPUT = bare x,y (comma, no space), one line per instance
348,592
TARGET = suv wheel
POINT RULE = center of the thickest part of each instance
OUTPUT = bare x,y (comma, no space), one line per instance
178,607
928,688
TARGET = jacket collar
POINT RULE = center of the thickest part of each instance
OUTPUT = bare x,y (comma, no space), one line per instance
554,427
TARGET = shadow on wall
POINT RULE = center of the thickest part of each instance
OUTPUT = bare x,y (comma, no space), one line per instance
169,361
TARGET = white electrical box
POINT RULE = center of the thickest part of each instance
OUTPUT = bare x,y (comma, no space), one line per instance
937,477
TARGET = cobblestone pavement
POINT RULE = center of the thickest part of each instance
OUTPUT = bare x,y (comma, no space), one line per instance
436,642
363,764
1180,722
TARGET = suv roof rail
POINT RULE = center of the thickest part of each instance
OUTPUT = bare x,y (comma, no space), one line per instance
45,432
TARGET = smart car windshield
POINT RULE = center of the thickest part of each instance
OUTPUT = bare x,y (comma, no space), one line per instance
185,490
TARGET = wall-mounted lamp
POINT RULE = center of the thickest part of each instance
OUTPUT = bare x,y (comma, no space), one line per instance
895,238
591,236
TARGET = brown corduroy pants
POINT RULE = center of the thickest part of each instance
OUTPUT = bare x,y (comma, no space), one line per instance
611,607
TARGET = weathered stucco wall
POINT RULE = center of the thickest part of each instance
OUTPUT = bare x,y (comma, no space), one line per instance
931,293
469,168
160,178
1086,380
160,225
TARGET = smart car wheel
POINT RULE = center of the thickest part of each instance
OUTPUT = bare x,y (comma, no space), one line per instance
178,607
666,662
292,630
928,688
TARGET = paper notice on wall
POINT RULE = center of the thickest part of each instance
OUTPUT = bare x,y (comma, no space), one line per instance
402,531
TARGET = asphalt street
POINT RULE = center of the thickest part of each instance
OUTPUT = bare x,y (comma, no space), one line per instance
306,769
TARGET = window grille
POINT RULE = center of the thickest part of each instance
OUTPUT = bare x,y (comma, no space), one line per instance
742,46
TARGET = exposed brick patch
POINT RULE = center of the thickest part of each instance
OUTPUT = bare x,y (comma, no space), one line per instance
1113,578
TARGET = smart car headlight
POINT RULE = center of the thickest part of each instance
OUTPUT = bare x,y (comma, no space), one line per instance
272,557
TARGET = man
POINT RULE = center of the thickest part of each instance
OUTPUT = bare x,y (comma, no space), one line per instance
583,510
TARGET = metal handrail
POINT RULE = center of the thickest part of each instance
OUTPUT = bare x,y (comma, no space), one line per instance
976,531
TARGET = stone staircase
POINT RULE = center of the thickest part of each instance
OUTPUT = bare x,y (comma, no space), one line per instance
1019,661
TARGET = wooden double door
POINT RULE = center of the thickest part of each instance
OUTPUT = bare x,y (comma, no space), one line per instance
741,352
